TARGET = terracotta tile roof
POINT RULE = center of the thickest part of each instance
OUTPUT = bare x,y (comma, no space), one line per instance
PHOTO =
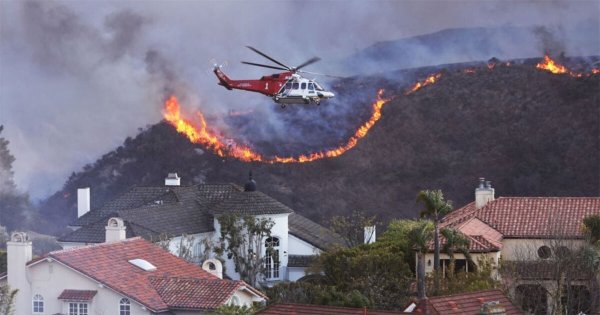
108,263
77,295
312,232
309,309
531,217
465,303
190,293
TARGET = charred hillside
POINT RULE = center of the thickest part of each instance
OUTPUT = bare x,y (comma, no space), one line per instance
531,132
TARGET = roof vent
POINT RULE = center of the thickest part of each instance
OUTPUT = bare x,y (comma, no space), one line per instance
142,264
172,180
250,184
493,307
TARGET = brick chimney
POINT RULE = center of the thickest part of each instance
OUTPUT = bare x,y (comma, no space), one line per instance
83,201
19,253
115,230
172,180
484,193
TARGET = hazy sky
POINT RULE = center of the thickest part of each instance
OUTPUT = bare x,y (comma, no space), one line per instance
77,77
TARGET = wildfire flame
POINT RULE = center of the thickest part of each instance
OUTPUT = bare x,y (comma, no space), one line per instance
430,80
552,66
203,135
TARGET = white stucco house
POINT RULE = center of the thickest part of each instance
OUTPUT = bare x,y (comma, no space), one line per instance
530,240
120,276
190,214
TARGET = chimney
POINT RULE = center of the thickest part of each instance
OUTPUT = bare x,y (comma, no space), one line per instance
172,180
484,193
213,266
19,253
83,201
370,234
115,230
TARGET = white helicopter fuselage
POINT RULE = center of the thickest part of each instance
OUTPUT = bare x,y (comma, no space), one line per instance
300,90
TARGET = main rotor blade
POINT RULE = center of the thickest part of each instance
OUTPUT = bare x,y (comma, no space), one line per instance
322,74
308,62
264,55
264,66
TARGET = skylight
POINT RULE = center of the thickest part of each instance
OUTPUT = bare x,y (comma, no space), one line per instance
142,264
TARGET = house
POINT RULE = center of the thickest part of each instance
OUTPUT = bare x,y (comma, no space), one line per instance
186,217
121,276
468,303
532,243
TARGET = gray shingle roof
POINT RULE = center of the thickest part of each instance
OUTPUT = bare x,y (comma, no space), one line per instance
250,203
300,260
312,232
175,210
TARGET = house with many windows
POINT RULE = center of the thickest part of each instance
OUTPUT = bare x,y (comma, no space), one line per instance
186,218
535,244
121,276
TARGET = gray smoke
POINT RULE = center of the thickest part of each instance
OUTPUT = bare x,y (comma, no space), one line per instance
76,78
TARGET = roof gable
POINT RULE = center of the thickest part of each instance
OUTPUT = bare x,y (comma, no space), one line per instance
108,263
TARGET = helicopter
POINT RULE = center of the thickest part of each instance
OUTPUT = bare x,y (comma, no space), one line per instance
284,88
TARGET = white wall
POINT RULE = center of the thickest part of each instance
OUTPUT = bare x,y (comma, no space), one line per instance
300,247
50,278
527,249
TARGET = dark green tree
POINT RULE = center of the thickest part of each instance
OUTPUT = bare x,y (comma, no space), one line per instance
13,204
434,208
455,242
420,236
243,241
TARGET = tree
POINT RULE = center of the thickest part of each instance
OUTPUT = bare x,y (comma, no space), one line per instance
243,240
591,228
455,242
420,236
351,228
13,204
315,293
7,300
435,208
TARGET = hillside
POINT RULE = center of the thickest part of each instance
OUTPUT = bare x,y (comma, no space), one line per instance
531,132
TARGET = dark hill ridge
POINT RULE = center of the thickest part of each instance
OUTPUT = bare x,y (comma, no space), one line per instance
531,132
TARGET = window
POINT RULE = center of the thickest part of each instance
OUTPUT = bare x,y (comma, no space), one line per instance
272,258
288,85
78,308
124,307
544,252
38,303
295,85
303,86
311,86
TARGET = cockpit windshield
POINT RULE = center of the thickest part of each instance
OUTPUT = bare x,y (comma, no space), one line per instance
318,87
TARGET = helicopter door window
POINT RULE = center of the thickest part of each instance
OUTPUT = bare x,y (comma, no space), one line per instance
303,86
311,88
295,86
288,85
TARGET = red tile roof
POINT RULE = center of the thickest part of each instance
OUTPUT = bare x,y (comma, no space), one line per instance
190,293
108,263
309,309
77,295
466,303
530,217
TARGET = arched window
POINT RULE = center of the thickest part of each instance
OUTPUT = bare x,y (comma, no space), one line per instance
272,258
124,307
235,301
38,303
544,252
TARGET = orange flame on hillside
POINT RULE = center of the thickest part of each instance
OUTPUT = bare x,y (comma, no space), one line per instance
430,80
550,65
203,135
